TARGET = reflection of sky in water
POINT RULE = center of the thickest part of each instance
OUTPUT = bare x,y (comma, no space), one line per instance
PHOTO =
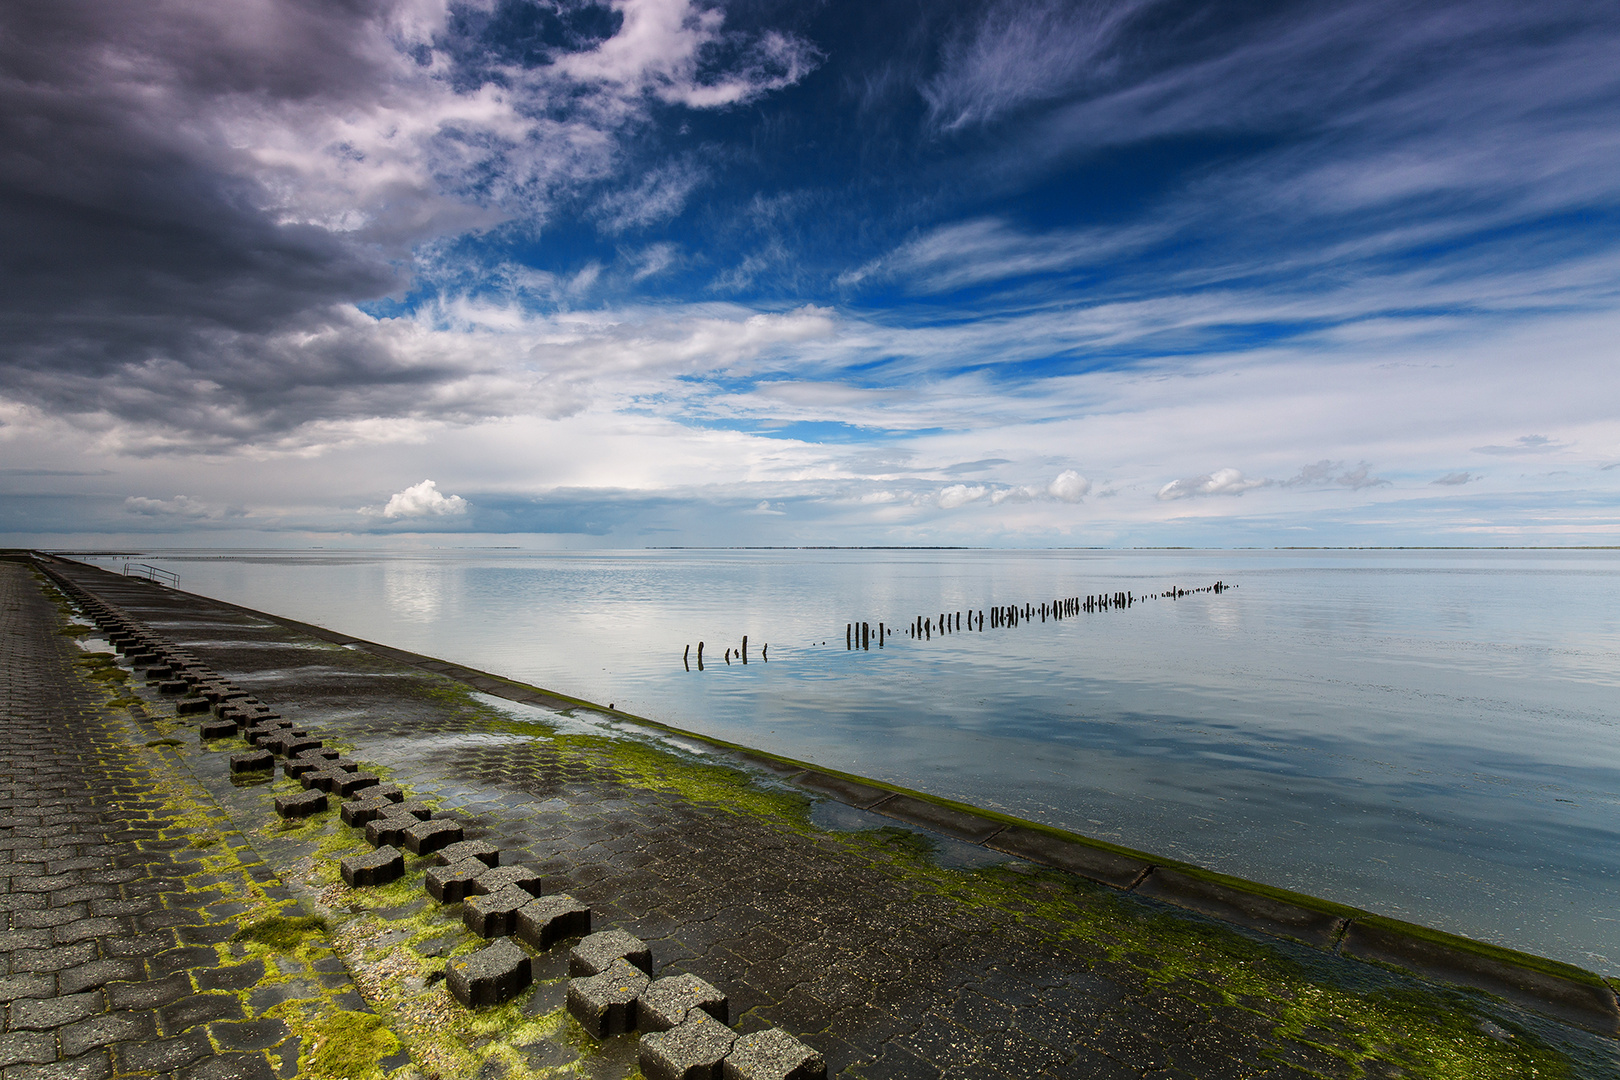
413,591
1396,730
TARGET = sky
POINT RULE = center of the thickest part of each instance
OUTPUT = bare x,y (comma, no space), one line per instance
667,272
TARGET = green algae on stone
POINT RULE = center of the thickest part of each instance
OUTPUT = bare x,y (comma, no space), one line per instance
347,1045
282,933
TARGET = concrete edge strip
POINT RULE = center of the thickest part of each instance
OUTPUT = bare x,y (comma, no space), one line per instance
1562,991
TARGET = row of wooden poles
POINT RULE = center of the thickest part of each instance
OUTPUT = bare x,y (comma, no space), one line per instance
860,635
741,654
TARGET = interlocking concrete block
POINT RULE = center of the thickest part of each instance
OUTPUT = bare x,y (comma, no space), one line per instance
772,1054
332,776
361,811
298,766
321,777
692,1050
391,792
598,951
496,973
495,914
346,784
605,1004
215,729
300,804
378,868
667,1002
388,829
452,884
482,850
520,876
259,735
174,687
253,761
294,742
550,919
192,706
426,837
421,811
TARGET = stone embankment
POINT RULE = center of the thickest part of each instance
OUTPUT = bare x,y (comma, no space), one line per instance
397,876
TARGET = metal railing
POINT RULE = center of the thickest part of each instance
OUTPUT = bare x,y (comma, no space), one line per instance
152,573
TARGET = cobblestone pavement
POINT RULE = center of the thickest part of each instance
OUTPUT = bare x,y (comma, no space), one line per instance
125,889
893,953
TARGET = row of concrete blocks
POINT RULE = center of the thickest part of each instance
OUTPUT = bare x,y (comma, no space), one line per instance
169,670
682,1018
611,991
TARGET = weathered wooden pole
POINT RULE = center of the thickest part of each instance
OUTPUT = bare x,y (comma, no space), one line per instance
700,656
684,661
849,635
881,633
765,652
745,649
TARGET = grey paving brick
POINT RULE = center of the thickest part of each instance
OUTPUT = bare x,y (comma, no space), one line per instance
244,1035
26,1046
26,985
230,1067
199,1009
150,994
53,959
43,1014
165,1055
104,1030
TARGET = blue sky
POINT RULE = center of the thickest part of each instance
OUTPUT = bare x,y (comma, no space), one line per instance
661,272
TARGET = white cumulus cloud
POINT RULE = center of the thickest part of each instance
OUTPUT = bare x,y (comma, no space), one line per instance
1069,487
958,495
1219,482
422,500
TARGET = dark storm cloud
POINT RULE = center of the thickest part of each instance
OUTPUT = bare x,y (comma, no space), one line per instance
139,261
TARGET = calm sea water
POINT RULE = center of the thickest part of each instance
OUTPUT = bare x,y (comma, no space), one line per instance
1430,735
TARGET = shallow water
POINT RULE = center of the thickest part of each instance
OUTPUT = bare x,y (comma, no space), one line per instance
1430,735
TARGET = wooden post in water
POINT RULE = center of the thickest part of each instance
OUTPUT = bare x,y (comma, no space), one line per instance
745,649
849,631
700,656
765,652
880,635
684,661
728,658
